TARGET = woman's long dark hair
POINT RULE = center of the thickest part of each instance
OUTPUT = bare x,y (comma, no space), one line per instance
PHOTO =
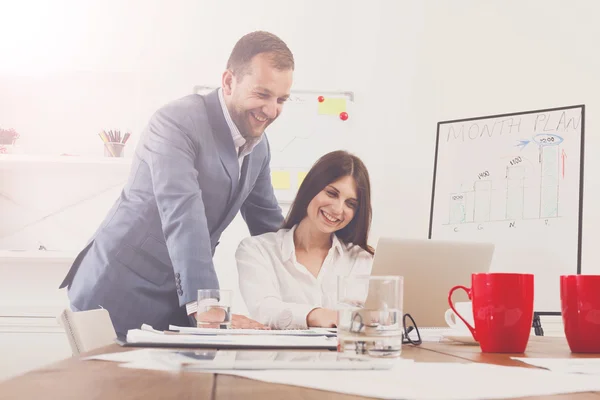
328,169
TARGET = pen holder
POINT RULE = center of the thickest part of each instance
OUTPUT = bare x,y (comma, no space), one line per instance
114,149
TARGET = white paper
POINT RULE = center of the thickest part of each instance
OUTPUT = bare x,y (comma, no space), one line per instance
273,360
214,361
153,365
152,359
124,356
430,381
566,365
407,379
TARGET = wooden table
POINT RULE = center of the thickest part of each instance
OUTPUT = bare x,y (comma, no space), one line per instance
76,379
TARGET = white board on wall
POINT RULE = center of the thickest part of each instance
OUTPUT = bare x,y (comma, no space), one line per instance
309,126
515,180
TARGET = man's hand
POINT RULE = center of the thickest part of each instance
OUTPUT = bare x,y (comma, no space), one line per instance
214,317
322,317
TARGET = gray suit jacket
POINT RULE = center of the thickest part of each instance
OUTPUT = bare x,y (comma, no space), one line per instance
154,249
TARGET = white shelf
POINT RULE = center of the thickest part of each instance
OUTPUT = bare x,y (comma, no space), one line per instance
36,255
26,159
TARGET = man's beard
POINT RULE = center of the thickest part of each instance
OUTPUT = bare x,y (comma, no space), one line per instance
242,122
240,119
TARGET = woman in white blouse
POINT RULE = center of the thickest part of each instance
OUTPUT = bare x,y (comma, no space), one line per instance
288,278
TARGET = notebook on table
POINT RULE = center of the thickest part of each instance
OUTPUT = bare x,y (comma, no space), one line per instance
146,338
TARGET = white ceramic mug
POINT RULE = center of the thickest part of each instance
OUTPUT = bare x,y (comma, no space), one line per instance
466,310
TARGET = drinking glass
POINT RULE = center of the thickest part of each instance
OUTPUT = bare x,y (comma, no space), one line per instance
370,315
214,308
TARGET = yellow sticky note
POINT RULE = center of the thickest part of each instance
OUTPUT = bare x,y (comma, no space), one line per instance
280,179
301,176
332,106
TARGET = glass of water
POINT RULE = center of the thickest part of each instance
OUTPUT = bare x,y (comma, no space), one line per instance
214,308
370,315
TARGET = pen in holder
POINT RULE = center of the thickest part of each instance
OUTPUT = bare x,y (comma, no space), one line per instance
8,139
114,149
114,143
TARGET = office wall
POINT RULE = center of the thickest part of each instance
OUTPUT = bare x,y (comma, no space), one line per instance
72,68
111,64
482,58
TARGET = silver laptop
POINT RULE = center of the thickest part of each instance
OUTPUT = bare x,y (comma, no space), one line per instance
430,268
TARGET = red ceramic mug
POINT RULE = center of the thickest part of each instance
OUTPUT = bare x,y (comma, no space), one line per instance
502,310
580,306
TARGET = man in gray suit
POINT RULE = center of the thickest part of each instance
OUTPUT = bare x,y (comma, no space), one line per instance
200,160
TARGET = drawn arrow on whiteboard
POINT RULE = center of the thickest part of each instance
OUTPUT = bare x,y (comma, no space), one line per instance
563,156
523,143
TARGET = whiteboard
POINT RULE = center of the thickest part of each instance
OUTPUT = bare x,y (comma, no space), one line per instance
515,180
305,130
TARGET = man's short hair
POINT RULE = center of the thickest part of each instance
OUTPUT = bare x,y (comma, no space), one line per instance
255,43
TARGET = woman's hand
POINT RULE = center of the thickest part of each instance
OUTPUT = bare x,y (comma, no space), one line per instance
322,318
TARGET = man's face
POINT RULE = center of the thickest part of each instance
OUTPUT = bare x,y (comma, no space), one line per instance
256,99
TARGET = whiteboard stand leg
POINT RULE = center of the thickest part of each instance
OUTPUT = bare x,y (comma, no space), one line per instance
537,325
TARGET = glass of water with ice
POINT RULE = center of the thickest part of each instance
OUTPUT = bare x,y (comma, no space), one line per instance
214,308
370,315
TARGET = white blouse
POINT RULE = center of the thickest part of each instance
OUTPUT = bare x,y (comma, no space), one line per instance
279,291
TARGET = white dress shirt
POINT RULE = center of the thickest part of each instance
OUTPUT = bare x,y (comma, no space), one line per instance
279,291
243,147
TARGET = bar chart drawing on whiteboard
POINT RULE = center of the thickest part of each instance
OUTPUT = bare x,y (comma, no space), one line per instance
526,190
519,187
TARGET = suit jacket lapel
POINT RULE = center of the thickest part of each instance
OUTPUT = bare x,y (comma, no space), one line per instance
236,200
223,139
